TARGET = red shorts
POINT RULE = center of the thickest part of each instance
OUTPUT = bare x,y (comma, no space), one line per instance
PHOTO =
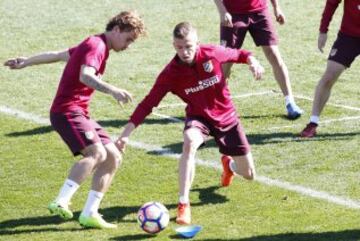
78,131
231,141
345,49
259,24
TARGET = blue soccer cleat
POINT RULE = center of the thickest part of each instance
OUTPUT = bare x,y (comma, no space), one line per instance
293,111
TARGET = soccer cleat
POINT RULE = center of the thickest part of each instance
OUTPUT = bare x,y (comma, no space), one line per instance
95,221
293,111
183,214
63,211
309,131
227,176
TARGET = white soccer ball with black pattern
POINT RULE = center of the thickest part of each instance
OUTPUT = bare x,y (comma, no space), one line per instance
153,217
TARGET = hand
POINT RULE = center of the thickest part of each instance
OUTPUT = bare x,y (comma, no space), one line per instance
226,20
122,96
17,63
322,41
121,143
255,67
279,15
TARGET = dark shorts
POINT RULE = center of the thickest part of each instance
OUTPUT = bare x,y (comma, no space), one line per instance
259,24
345,49
78,131
231,141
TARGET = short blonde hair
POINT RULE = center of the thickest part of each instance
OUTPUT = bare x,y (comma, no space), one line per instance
127,21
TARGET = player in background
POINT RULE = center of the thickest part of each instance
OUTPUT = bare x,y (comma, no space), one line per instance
69,115
195,75
343,52
237,17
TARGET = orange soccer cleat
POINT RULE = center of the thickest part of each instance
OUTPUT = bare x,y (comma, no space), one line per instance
227,176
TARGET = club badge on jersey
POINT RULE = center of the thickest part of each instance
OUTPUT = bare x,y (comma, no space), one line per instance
208,66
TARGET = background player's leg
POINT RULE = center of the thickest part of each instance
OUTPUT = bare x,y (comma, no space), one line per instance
323,89
281,75
321,96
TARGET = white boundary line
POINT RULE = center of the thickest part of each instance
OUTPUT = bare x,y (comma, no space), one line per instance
268,92
174,119
167,152
332,104
233,97
347,118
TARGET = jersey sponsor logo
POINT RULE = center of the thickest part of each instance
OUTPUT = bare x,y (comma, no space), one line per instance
89,135
208,66
203,84
333,52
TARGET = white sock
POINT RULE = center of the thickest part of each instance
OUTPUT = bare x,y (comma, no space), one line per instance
289,99
66,192
184,200
314,119
232,165
92,203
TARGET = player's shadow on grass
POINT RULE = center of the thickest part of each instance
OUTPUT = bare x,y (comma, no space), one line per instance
263,139
116,214
104,123
344,235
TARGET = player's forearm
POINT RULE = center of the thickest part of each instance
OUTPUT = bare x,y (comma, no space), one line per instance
220,6
275,3
96,83
46,58
128,129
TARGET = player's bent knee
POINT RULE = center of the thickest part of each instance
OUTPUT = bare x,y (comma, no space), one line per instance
96,152
100,154
114,157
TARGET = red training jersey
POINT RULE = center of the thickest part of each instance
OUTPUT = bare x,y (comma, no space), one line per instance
201,86
244,6
350,24
72,95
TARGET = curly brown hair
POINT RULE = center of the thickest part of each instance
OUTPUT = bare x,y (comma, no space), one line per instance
127,21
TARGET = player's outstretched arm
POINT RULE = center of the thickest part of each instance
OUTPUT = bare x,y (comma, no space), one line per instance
124,137
255,67
279,15
88,77
42,58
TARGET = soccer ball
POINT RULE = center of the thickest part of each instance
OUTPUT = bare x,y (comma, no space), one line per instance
153,217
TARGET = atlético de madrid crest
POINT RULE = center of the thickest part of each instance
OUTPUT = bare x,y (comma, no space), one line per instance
208,66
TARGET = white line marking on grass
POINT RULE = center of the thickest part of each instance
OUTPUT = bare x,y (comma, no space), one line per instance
214,164
182,104
268,92
325,122
174,119
171,105
24,115
332,104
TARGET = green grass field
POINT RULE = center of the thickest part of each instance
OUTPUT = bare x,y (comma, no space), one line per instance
278,207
